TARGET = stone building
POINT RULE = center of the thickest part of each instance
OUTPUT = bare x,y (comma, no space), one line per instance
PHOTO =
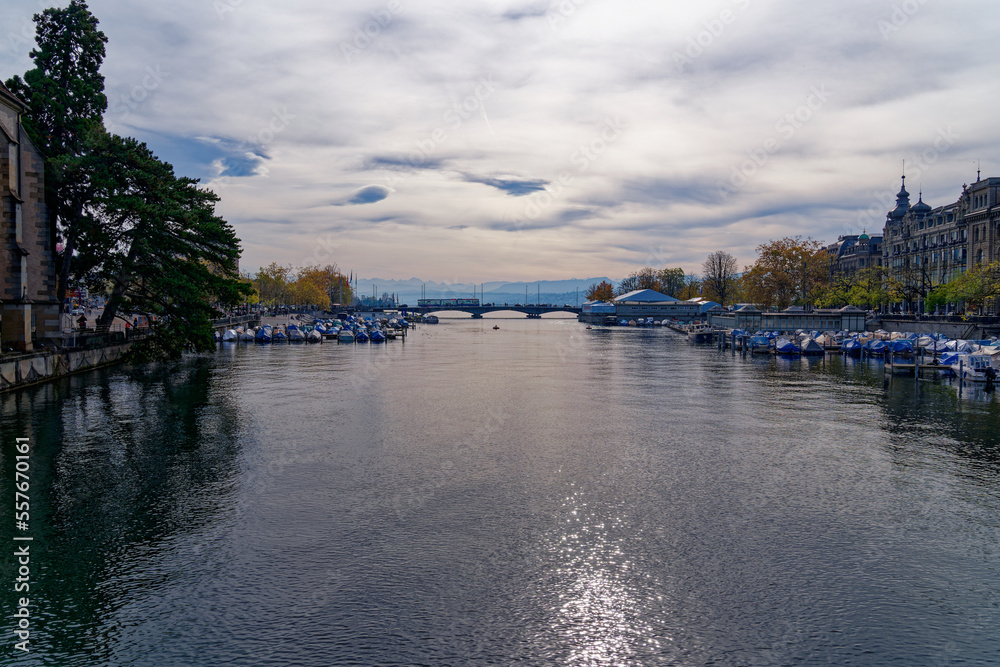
29,311
854,252
925,247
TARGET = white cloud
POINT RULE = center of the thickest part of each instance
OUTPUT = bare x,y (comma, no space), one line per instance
437,113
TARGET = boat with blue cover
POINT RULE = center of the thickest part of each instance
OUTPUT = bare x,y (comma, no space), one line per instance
786,347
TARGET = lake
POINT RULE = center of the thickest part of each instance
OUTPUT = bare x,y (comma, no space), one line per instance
540,494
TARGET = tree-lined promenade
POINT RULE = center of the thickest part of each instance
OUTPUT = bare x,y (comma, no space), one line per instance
800,272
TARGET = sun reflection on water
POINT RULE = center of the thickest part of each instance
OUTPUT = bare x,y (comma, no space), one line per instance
602,614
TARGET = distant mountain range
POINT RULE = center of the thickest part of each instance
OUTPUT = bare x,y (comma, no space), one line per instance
542,291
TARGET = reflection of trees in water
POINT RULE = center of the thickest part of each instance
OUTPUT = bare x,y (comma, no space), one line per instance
125,461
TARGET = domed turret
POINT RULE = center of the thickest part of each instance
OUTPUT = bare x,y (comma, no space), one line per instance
864,235
902,203
920,208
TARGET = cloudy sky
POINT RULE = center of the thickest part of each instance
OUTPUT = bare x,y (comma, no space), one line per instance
518,140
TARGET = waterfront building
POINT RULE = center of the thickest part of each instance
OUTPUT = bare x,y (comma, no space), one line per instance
855,252
650,303
749,318
925,247
28,307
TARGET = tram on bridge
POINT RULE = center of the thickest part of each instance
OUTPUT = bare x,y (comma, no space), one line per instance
444,303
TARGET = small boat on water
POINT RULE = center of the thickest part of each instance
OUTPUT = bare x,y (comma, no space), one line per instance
809,346
264,334
978,366
496,326
361,336
430,319
345,335
230,336
279,336
759,344
247,336
700,333
295,334
314,336
851,347
901,347
785,346
377,336
875,346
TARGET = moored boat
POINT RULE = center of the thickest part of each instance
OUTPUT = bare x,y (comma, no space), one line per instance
786,347
809,346
852,347
295,334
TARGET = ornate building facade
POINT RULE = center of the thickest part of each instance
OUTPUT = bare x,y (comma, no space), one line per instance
924,247
29,311
855,252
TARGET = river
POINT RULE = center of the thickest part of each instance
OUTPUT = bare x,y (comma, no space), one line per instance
541,494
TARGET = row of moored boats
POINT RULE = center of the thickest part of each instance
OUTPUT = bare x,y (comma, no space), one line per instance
968,359
352,330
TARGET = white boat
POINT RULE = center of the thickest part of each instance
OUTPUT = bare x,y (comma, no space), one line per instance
247,336
978,366
345,335
314,336
230,336
430,319
699,332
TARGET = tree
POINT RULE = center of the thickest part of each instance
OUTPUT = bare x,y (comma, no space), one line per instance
629,284
974,288
648,278
720,276
170,257
691,289
602,291
866,288
272,283
671,281
789,270
66,101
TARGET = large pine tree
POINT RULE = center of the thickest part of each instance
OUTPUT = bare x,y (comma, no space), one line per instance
66,103
127,223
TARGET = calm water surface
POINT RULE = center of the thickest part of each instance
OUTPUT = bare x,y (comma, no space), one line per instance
542,495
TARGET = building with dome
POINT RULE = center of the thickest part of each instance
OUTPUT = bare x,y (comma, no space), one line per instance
924,246
854,252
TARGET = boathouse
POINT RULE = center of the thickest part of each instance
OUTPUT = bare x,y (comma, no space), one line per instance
789,320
